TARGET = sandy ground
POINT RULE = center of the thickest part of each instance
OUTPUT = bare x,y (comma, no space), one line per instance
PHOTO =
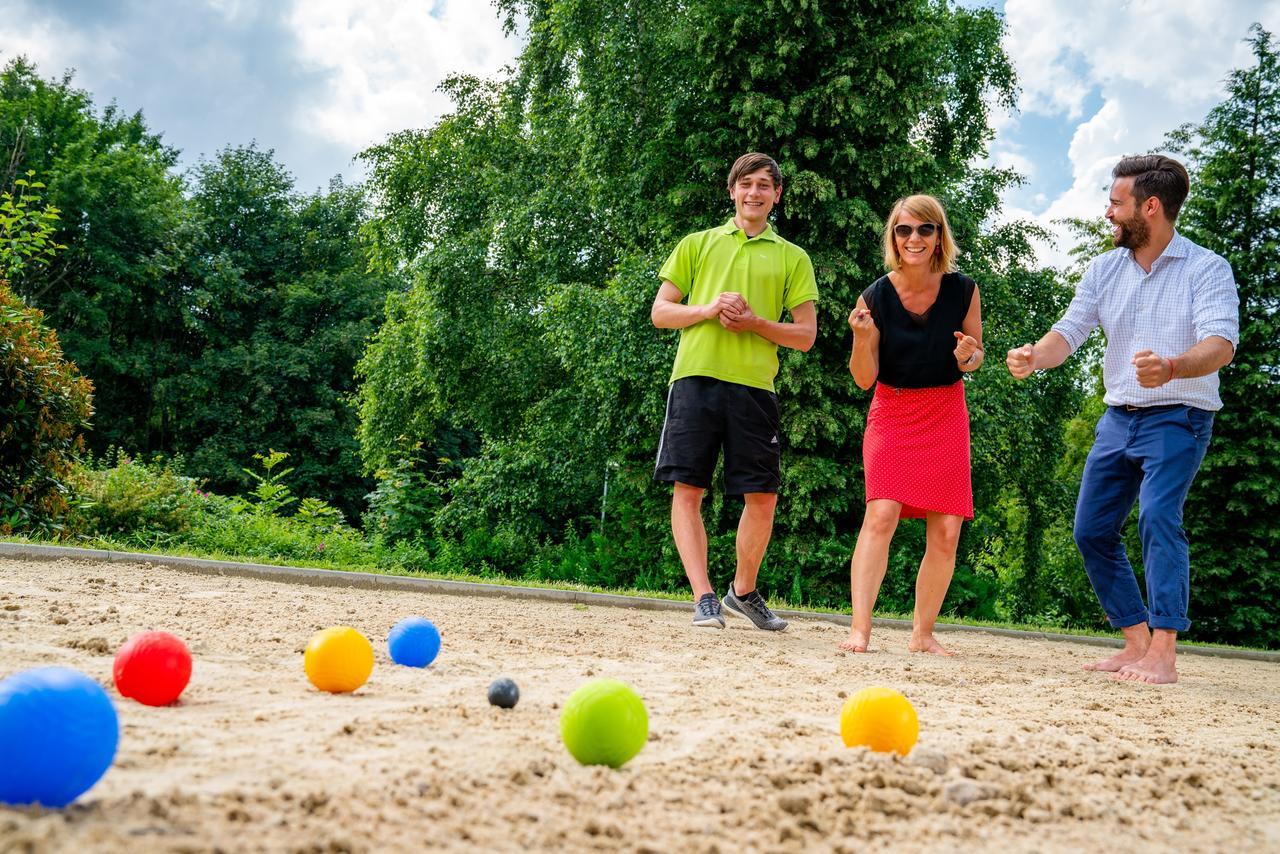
1019,750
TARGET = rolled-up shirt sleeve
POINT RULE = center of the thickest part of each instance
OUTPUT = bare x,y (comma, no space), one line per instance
1215,302
1081,317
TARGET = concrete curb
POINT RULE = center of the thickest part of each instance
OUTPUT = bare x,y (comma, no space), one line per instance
377,581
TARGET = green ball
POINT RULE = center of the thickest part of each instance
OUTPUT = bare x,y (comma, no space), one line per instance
604,722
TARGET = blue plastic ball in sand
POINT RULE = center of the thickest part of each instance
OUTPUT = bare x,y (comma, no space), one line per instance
413,642
58,736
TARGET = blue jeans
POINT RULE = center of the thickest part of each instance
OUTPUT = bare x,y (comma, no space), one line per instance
1150,455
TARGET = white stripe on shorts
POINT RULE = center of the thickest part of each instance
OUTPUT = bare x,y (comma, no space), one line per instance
663,437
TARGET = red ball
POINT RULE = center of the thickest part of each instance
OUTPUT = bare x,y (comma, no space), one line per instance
152,668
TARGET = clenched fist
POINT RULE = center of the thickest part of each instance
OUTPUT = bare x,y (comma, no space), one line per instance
861,323
1021,361
1153,370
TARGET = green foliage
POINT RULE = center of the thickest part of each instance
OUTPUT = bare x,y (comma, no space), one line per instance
134,500
114,294
216,313
402,506
1234,209
26,228
281,312
270,494
45,404
131,502
532,221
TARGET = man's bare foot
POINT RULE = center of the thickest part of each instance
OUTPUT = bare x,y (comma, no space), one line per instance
856,642
1123,658
1148,670
927,644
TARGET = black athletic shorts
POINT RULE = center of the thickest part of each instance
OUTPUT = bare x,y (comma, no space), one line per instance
704,415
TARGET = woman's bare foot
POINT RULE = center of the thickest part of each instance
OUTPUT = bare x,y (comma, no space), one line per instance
1121,659
1153,671
856,642
927,644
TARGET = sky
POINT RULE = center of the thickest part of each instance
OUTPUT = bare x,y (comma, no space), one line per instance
317,81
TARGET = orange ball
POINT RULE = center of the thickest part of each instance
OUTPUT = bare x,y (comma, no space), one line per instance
881,719
338,660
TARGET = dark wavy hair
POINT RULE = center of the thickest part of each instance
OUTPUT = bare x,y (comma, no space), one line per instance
1159,176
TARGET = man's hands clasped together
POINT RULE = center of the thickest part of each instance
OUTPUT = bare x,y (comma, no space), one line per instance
732,310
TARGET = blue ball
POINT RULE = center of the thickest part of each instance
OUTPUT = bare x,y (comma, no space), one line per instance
413,642
58,735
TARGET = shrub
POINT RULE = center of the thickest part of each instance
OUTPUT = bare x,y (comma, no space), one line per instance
135,501
402,505
45,404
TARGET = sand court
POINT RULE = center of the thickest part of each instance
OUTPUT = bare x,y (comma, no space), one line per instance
1019,749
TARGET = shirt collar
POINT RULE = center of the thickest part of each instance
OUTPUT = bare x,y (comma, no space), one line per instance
1177,248
769,234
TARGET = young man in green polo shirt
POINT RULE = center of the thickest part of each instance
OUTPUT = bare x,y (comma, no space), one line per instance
737,278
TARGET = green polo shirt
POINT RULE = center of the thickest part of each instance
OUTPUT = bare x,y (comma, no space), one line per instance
769,272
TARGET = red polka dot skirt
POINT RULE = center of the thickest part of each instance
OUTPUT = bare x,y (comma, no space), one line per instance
916,450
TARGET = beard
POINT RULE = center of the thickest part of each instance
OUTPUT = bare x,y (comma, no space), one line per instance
1134,232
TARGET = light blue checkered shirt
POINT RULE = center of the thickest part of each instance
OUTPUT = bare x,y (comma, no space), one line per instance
1189,295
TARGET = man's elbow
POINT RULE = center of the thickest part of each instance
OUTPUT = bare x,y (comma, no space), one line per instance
806,344
1228,352
1224,351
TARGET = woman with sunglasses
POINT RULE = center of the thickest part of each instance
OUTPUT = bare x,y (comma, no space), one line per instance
915,332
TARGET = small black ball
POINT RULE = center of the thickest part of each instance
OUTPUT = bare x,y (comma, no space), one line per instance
503,693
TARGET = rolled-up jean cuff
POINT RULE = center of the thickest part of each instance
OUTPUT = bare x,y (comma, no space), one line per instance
1177,624
1130,620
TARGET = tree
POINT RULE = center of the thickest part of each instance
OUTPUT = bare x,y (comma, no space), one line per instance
1234,209
532,221
280,307
113,294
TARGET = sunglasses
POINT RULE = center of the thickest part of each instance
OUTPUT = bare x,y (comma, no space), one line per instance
924,229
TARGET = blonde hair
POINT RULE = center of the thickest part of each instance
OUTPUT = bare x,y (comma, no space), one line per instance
925,209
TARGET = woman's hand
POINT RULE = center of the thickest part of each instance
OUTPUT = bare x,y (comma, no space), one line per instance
966,346
861,323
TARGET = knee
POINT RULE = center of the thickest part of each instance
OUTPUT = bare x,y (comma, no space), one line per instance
687,497
944,537
761,502
879,522
1158,522
1091,534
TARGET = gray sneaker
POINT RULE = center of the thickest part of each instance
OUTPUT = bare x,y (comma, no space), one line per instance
753,607
706,613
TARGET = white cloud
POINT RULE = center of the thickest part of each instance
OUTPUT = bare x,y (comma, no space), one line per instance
385,59
42,40
1013,158
1153,65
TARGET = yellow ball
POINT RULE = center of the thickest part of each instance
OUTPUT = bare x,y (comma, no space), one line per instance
881,719
338,660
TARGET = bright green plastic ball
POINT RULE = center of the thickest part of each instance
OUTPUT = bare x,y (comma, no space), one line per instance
604,722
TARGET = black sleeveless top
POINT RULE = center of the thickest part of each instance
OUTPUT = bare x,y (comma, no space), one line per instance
918,350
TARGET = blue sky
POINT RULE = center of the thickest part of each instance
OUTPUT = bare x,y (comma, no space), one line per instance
319,80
